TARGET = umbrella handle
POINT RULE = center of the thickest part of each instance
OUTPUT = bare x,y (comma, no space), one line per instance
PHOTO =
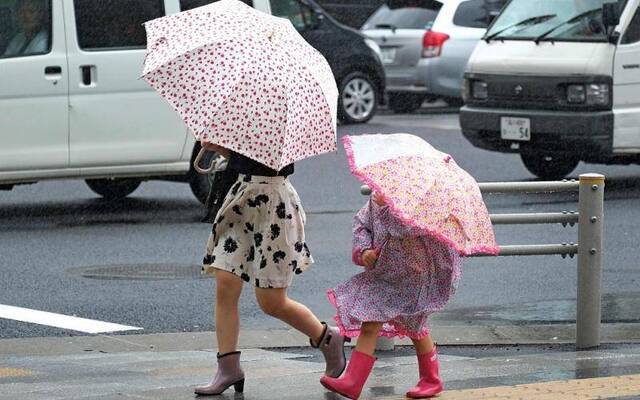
196,163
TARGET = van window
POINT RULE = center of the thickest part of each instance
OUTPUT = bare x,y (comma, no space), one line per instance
189,4
556,20
300,15
632,35
404,15
477,13
25,28
114,24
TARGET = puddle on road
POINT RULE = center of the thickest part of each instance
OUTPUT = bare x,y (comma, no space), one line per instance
151,272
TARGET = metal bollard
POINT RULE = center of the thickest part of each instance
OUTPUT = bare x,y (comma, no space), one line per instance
590,235
385,344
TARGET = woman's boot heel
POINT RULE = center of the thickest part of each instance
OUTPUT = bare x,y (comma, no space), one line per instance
229,374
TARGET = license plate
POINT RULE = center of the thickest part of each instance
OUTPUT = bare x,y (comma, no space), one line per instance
388,55
515,128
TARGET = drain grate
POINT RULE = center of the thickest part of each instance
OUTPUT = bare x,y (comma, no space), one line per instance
140,272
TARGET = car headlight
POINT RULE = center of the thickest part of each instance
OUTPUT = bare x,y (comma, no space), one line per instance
576,94
374,46
593,94
598,94
480,90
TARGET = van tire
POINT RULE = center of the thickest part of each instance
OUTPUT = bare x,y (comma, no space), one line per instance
549,166
113,189
405,102
350,83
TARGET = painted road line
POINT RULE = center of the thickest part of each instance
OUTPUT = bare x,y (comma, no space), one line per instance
574,389
61,321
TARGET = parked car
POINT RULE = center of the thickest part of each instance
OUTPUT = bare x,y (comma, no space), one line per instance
354,59
558,85
73,106
425,46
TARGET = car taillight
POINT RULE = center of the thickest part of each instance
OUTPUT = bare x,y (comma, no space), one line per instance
432,44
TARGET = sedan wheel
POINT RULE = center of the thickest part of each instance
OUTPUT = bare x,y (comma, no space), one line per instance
358,99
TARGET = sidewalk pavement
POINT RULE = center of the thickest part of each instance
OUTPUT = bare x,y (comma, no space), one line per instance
478,362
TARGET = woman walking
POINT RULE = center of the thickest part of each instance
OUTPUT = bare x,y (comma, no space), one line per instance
258,238
250,88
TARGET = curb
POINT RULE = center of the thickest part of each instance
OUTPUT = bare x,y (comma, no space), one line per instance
457,335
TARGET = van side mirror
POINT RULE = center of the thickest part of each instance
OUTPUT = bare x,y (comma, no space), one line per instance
610,15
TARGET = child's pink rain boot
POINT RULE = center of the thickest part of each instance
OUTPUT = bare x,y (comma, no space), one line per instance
229,374
351,383
430,384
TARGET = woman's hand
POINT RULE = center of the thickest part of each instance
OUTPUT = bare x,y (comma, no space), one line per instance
224,152
369,258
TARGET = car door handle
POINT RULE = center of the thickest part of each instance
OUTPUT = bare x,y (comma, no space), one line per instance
631,66
87,73
53,73
53,70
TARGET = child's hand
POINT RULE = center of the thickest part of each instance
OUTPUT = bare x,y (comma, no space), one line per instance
369,258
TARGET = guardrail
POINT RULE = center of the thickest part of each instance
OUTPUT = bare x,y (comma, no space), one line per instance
589,246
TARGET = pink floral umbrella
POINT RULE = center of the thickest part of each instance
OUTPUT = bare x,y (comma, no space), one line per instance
424,188
244,80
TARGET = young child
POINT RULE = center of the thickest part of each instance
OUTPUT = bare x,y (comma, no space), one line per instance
258,238
407,277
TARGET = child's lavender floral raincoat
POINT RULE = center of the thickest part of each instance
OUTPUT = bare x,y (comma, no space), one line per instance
414,277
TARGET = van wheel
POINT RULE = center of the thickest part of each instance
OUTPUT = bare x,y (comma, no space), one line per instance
200,184
547,166
358,100
405,102
113,189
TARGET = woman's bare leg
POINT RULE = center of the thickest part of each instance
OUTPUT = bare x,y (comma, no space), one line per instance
424,345
368,337
228,290
276,303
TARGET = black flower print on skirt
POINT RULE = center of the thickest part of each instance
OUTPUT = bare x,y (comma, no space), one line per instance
279,256
261,241
275,231
230,245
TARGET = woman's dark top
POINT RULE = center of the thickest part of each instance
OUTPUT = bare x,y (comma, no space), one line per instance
245,165
223,180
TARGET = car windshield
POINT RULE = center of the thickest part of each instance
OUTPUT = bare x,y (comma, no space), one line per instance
406,17
560,20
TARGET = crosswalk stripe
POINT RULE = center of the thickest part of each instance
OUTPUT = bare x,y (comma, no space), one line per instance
60,320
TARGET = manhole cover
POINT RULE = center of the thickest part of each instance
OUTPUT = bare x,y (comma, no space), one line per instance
140,272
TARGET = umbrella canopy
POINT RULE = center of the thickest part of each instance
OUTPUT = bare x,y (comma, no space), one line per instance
244,80
424,188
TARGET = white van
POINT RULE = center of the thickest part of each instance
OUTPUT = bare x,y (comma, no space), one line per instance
557,81
71,103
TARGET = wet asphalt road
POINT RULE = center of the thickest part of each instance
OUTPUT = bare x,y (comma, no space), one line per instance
51,233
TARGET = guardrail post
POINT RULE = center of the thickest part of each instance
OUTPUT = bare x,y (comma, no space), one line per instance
590,234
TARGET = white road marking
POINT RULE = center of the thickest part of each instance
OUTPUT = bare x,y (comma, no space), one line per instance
61,321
